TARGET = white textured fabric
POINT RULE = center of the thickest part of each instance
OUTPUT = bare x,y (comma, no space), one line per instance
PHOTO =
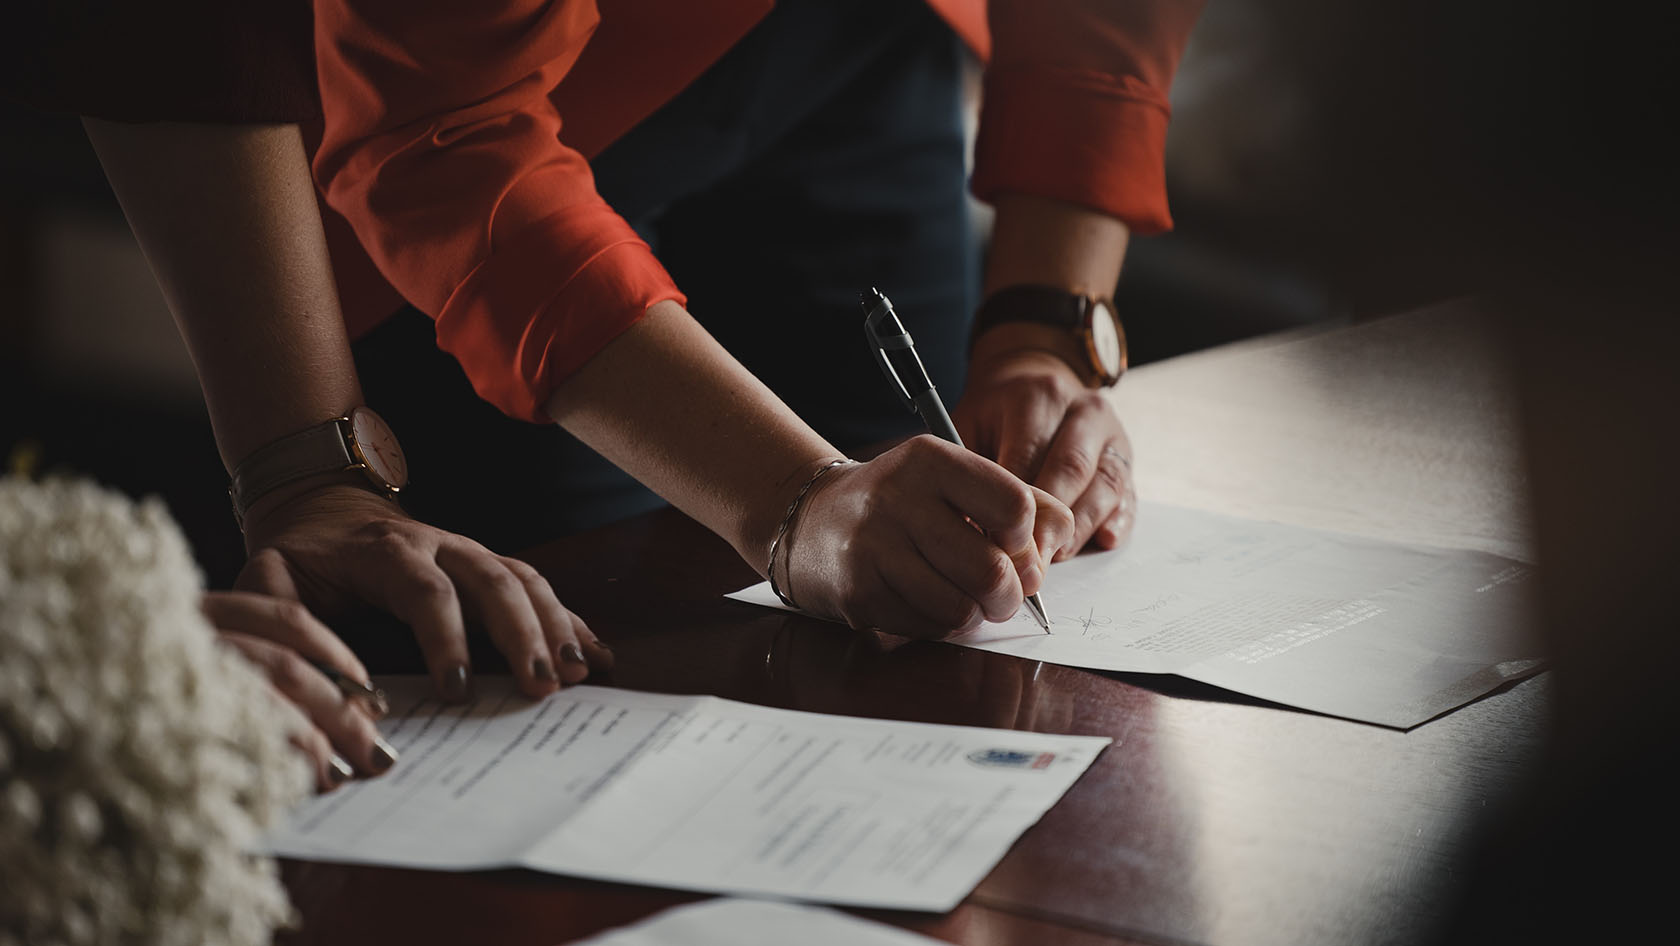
139,760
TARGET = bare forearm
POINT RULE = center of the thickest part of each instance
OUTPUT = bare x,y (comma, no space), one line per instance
671,407
1048,242
227,218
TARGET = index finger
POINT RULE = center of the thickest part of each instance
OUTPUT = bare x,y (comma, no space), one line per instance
1070,463
409,583
1054,526
285,622
992,498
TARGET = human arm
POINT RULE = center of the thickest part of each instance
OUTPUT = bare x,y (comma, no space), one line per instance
548,300
227,218
1070,153
879,544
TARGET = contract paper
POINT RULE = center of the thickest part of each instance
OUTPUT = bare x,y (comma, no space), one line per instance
729,921
1353,627
692,792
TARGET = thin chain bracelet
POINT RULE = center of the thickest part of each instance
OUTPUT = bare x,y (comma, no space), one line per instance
787,520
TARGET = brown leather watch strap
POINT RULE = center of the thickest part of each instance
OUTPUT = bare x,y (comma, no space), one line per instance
1072,313
323,448
1046,305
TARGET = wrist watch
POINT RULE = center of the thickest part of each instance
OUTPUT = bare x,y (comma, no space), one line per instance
1089,320
359,440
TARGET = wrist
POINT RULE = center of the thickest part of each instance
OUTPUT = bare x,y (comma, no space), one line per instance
766,519
1083,330
1039,241
330,493
1014,342
358,443
784,531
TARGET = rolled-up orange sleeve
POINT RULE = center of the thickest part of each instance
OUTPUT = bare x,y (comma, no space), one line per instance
441,148
1074,106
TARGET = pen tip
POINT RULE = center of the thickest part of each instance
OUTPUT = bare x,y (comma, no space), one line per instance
1036,606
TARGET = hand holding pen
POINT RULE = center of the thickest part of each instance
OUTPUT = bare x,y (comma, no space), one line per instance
894,350
926,540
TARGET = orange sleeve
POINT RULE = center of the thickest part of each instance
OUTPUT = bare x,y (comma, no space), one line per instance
1075,103
441,148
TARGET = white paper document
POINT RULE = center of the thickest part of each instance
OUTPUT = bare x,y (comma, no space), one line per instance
730,921
692,792
1360,628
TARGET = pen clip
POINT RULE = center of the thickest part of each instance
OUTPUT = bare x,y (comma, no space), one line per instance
879,345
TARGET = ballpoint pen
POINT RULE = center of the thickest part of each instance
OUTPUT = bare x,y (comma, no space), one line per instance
896,354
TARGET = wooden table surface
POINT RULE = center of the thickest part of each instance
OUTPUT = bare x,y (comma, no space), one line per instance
1213,819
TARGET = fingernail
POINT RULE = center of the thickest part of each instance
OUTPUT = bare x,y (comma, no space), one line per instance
543,670
457,685
571,653
601,644
384,756
339,771
378,703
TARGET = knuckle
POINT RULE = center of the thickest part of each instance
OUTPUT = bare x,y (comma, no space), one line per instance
1092,402
1109,474
1047,387
1022,505
386,537
1074,461
926,448
502,583
433,586
1060,516
924,444
289,671
1022,453
521,570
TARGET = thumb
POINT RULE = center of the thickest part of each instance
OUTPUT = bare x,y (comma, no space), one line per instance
1053,526
267,573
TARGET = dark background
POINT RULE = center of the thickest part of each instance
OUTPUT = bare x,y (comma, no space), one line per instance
1327,161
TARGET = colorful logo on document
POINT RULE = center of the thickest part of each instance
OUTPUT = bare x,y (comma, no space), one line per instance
1011,758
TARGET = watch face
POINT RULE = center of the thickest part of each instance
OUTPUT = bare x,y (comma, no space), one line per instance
378,448
1107,342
